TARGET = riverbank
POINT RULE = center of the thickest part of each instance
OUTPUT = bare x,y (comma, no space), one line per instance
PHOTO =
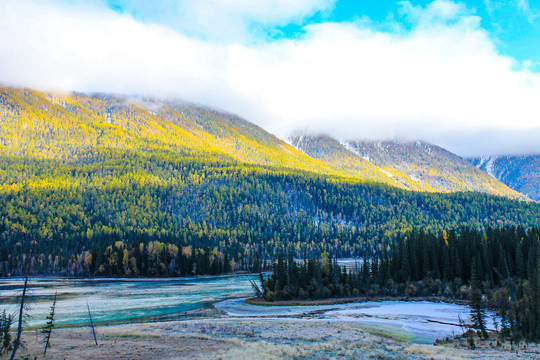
337,301
197,319
126,279
423,321
233,338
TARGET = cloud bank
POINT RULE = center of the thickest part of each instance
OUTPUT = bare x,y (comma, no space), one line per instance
223,20
440,78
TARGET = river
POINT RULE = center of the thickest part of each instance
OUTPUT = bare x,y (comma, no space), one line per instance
127,300
121,300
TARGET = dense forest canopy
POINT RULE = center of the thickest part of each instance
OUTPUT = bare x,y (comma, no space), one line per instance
497,268
58,212
97,185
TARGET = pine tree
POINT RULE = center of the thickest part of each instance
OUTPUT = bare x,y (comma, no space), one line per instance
365,271
257,263
520,261
49,326
426,268
405,261
478,313
281,273
5,335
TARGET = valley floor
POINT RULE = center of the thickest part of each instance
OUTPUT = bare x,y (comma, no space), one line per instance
236,338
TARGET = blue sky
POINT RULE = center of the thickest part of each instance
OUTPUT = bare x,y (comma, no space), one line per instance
515,28
463,75
513,25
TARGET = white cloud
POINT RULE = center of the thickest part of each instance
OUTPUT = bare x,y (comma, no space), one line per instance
529,13
435,12
225,20
441,80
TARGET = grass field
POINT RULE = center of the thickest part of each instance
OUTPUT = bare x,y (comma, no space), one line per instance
226,338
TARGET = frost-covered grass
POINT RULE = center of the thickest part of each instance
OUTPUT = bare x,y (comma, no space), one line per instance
226,338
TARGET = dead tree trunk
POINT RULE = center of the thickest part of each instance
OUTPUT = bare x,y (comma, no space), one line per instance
91,322
20,326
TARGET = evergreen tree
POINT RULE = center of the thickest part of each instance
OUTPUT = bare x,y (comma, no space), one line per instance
281,275
6,320
478,312
49,326
257,263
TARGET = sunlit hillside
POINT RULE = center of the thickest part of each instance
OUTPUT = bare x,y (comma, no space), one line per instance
72,127
89,183
414,166
76,127
334,155
423,166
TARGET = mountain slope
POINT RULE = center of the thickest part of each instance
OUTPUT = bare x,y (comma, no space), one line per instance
74,127
427,166
333,154
521,173
106,185
411,165
69,127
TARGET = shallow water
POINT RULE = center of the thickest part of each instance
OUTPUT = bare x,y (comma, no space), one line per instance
117,300
127,300
423,320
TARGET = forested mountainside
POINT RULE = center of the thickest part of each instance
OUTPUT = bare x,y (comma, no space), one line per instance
521,173
94,218
334,155
73,127
95,185
55,126
411,165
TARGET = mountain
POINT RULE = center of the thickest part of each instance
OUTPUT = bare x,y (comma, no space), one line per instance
121,186
49,125
410,165
521,173
330,152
